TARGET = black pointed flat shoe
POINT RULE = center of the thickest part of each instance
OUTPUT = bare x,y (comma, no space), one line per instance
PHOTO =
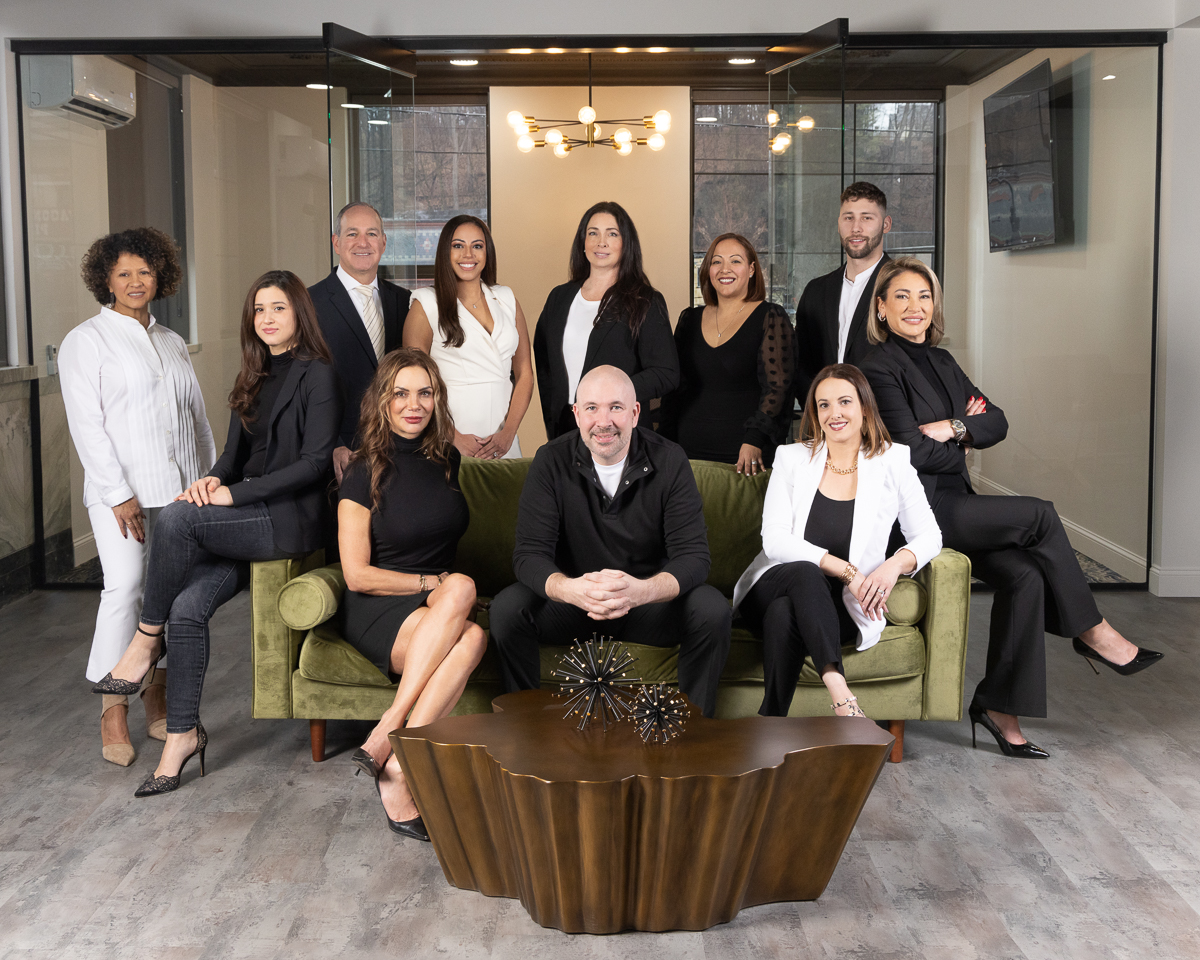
365,763
1143,659
1022,751
414,828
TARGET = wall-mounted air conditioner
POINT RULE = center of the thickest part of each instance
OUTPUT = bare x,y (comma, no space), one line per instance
92,88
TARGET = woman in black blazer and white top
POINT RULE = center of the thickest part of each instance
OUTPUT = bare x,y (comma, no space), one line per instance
263,500
608,314
822,578
1016,544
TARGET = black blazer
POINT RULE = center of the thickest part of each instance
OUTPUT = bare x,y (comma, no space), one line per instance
817,325
300,439
907,400
651,360
353,356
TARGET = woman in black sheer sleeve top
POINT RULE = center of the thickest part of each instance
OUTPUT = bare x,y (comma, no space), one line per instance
736,364
1016,544
608,314
400,518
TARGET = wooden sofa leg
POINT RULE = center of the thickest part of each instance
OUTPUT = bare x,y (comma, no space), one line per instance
316,734
896,729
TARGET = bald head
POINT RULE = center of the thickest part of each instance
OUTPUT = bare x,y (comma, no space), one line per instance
606,410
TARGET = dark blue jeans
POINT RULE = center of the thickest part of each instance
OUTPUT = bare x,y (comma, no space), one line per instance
199,559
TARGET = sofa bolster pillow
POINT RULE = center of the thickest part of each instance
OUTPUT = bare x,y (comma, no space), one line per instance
312,598
907,603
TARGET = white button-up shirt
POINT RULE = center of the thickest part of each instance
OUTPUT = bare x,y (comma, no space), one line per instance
135,410
852,293
352,286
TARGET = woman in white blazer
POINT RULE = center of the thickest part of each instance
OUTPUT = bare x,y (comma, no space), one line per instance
475,331
137,418
823,577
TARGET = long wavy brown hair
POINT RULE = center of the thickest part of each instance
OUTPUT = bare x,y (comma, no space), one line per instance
875,436
375,421
445,280
309,343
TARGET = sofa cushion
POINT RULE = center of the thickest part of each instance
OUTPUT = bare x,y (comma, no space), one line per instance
900,653
733,507
492,489
312,598
326,657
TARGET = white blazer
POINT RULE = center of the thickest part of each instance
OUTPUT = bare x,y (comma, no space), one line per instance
135,410
888,488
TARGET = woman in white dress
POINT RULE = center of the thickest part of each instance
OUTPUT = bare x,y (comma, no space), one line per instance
137,418
481,345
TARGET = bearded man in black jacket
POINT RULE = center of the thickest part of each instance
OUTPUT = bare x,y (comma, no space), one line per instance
611,539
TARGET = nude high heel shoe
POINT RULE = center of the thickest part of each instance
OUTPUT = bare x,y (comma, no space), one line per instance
154,699
114,731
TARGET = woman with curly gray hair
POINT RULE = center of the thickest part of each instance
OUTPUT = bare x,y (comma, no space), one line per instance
137,419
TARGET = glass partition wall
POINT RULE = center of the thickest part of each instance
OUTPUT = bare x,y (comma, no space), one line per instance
1059,329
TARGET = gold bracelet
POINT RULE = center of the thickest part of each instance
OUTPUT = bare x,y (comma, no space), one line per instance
848,575
422,588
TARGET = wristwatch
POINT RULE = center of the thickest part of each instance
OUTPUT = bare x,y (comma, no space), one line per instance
960,430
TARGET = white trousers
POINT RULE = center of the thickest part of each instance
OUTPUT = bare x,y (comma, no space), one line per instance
124,563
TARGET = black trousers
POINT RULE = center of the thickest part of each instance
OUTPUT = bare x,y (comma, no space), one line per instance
1018,546
797,610
698,621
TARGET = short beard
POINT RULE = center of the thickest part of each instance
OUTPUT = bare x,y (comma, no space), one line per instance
873,244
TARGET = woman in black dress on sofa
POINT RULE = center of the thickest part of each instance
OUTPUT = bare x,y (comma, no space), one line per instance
400,518
1016,544
736,364
607,314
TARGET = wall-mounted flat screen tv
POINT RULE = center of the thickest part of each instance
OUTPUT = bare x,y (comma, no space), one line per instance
1025,194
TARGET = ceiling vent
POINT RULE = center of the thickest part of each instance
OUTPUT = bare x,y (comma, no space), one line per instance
95,89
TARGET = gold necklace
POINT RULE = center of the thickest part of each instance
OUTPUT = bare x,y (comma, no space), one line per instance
844,473
717,320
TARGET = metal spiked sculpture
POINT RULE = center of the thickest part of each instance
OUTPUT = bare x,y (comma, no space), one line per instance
596,682
659,713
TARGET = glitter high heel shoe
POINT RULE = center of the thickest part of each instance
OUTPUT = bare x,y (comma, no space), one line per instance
152,786
127,688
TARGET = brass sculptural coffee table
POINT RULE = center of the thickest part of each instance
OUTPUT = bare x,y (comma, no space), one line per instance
597,832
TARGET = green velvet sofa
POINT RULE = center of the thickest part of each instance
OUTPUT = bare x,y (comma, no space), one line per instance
303,668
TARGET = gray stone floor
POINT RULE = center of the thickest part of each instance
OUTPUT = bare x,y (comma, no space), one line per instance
959,853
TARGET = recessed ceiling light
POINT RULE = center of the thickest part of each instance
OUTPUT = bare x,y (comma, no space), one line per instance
622,49
658,49
521,50
318,86
378,123
554,50
706,119
739,61
1111,76
352,106
465,63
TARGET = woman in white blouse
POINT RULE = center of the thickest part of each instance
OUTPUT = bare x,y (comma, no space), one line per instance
481,343
822,580
137,419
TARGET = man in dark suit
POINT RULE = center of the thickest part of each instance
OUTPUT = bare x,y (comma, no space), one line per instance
361,314
831,318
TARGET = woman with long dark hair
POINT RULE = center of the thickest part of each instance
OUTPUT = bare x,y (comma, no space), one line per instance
1016,544
823,577
607,314
400,518
737,361
263,500
475,331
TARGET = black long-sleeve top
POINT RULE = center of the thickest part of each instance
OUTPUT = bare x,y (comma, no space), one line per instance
566,522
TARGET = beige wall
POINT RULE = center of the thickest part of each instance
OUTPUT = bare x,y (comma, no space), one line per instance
537,198
1060,336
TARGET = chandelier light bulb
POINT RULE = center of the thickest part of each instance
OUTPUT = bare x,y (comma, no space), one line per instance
595,131
772,117
521,128
805,123
656,142
554,137
662,121
785,139
622,135
561,150
525,143
587,115
515,117
625,148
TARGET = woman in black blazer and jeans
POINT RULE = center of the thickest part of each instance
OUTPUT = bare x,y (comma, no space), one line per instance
608,314
1016,544
263,500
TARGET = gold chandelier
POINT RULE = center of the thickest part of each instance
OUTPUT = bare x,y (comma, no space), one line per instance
782,140
562,143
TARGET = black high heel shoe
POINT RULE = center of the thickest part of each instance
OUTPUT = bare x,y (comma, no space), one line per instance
127,688
1025,751
414,828
152,786
1143,659
365,763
